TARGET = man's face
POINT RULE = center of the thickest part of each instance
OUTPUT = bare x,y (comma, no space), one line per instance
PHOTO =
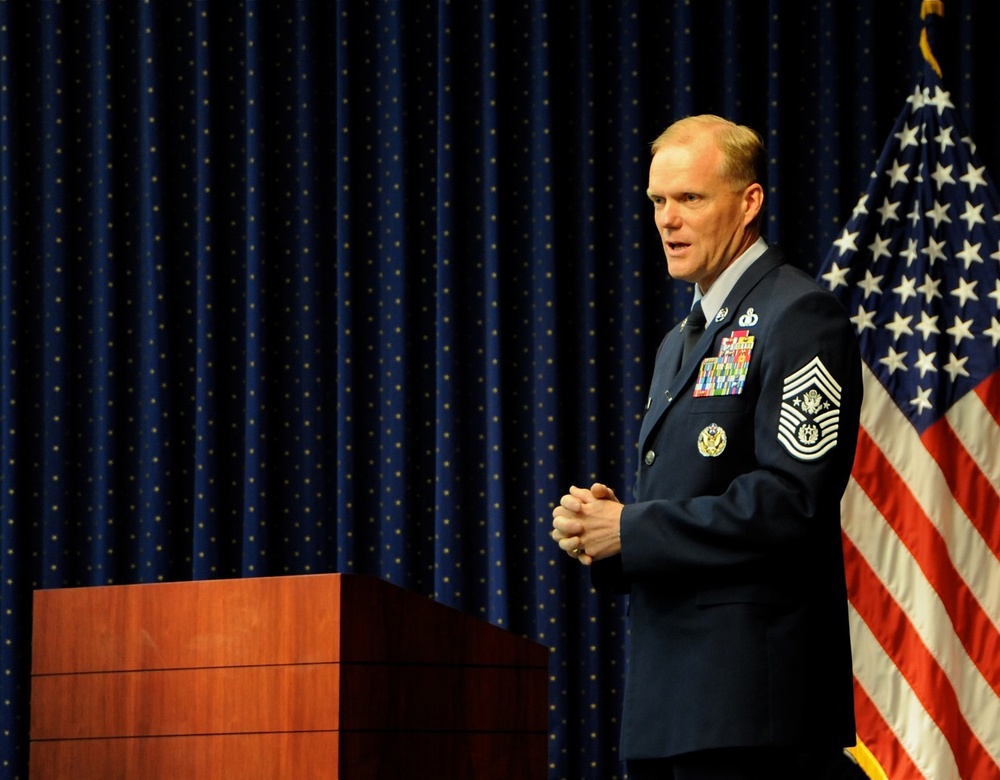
701,218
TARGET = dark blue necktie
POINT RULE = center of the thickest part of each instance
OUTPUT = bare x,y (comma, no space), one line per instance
693,328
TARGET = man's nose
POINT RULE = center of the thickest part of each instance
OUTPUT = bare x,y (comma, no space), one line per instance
668,216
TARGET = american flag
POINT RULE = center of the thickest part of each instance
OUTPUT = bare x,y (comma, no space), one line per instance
918,269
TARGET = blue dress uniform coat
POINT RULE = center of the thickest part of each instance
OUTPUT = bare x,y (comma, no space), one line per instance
732,551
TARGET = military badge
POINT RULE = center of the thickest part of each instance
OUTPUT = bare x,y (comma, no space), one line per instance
810,412
726,373
712,441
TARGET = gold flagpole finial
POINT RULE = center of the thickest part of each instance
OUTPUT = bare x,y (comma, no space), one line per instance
928,7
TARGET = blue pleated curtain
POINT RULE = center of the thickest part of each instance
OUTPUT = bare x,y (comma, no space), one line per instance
364,286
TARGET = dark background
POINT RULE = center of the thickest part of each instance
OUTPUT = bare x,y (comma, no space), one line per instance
365,286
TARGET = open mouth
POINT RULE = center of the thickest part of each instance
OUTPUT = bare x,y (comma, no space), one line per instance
676,246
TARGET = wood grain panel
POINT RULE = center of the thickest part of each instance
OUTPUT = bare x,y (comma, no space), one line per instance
180,625
315,756
289,698
216,757
318,676
187,701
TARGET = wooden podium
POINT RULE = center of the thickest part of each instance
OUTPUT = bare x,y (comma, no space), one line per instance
318,676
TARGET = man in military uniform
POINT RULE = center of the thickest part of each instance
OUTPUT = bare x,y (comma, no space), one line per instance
740,661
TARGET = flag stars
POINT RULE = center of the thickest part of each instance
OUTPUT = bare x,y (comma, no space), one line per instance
974,178
928,325
888,211
969,254
870,284
966,291
846,242
995,295
908,136
918,98
941,100
910,253
915,263
955,367
897,174
962,329
922,400
907,289
880,248
863,320
934,250
944,138
861,209
893,361
940,213
993,331
900,326
925,363
929,289
973,215
836,276
942,175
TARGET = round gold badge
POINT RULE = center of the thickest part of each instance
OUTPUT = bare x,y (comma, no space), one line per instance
712,441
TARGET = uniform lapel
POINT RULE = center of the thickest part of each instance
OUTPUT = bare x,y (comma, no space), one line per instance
669,379
664,374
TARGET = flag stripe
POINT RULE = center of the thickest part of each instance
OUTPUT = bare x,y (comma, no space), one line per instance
977,566
934,692
978,427
906,586
882,740
989,393
929,754
893,502
967,482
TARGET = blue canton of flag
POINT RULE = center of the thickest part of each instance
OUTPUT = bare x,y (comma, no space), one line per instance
917,264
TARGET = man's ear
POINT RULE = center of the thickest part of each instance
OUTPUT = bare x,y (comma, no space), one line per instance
753,202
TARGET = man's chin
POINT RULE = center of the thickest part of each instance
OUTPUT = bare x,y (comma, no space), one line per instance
679,269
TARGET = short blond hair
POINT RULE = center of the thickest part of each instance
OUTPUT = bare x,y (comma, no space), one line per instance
743,154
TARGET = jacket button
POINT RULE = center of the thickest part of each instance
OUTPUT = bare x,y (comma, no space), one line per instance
669,396
650,457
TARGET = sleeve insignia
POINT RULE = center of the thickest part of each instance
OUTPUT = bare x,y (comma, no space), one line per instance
810,412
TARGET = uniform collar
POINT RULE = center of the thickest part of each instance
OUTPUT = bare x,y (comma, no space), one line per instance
712,301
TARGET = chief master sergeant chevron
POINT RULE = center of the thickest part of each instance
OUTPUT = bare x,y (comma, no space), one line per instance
739,662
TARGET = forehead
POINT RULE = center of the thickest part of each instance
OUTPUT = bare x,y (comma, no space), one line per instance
694,163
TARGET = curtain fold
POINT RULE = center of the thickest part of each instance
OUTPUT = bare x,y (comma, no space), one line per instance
365,286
